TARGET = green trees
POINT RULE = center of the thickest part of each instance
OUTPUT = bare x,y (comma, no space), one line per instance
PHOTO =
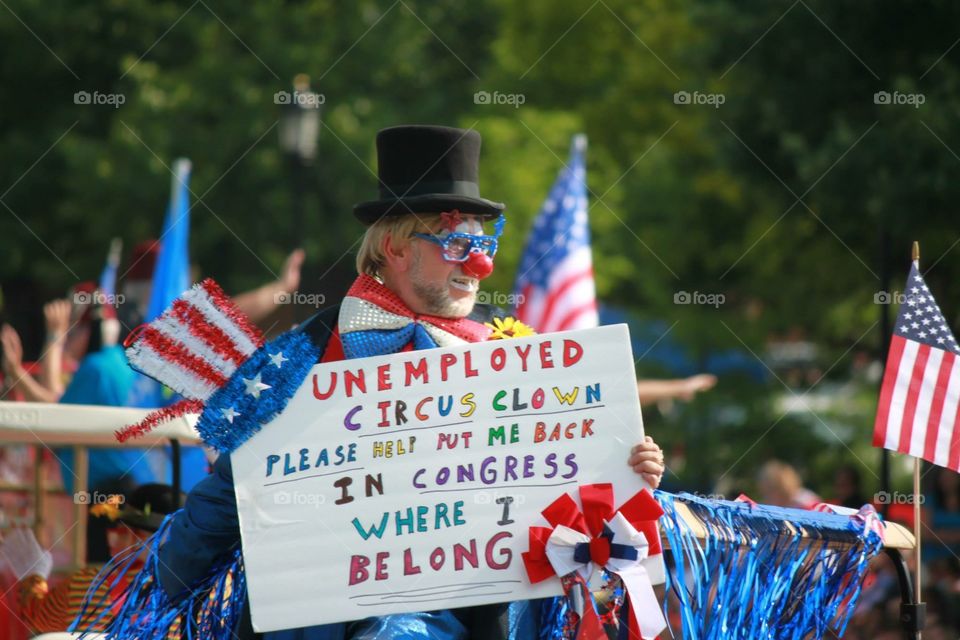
770,186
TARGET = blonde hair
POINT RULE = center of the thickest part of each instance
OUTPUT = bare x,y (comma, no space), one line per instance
779,479
401,228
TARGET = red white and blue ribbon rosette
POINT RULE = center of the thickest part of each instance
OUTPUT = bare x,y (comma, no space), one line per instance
624,542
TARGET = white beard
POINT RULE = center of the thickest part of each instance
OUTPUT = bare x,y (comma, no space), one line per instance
437,297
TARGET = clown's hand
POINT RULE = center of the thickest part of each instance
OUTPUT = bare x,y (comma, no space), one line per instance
647,459
21,551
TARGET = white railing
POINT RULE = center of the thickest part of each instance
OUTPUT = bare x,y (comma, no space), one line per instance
46,425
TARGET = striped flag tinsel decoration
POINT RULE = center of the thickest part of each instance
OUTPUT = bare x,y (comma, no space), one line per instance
194,348
917,412
554,288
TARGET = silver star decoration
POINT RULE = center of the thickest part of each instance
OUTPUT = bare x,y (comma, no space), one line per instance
277,359
255,386
230,414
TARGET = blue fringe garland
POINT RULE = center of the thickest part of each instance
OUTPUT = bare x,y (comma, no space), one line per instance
553,619
252,413
754,578
211,611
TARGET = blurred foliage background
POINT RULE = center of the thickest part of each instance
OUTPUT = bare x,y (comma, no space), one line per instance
780,198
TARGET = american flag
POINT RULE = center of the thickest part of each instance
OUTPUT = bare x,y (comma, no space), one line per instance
554,288
917,413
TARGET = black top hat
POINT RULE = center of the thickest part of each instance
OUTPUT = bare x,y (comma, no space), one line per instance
427,169
148,505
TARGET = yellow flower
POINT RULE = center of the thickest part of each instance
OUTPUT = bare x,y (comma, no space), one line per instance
503,328
109,509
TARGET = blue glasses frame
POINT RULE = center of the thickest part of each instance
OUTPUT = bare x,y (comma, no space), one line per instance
457,246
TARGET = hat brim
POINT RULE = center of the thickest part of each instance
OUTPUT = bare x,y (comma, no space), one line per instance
139,520
370,212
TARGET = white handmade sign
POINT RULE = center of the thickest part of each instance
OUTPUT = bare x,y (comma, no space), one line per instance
409,482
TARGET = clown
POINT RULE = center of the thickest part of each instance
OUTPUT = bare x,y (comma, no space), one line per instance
420,264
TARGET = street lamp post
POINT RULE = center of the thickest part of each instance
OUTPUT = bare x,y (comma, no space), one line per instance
299,127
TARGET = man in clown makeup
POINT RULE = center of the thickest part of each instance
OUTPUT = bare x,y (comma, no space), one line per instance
423,255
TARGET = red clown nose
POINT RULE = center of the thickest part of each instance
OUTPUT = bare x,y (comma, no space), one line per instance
478,265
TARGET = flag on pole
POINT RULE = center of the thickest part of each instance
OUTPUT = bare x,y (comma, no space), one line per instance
917,412
171,275
108,280
554,289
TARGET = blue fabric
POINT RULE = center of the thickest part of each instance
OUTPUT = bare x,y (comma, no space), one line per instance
437,625
171,274
523,618
104,378
379,342
202,533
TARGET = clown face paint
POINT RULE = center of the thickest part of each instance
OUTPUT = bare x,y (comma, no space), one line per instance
444,287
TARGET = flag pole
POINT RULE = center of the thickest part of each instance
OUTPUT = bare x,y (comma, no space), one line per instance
916,482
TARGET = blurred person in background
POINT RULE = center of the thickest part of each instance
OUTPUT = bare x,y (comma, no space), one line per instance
847,491
106,379
67,338
45,609
941,513
941,516
653,391
259,303
781,486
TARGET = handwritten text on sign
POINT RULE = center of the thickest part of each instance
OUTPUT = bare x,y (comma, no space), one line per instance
409,482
